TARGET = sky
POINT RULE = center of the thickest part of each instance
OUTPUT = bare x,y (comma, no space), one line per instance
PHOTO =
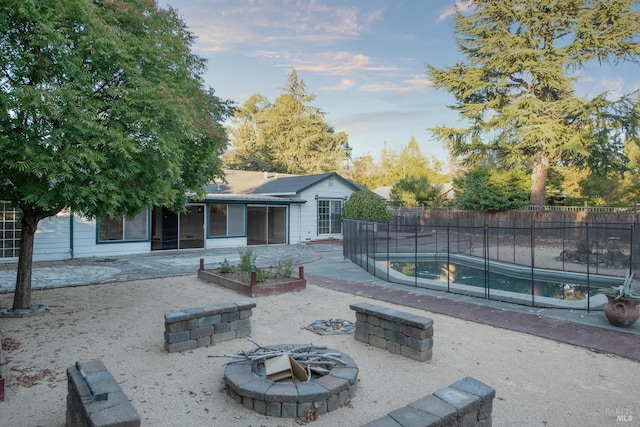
364,60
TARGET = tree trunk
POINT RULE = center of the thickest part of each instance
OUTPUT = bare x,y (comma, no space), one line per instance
29,223
539,179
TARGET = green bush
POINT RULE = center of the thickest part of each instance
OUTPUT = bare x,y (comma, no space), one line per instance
285,267
366,206
225,267
248,260
261,275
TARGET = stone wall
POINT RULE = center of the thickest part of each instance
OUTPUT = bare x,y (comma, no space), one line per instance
95,399
465,403
401,333
202,326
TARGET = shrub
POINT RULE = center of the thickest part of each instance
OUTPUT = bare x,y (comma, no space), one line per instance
285,267
366,206
262,275
248,260
225,267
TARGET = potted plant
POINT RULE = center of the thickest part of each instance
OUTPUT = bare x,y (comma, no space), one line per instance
622,303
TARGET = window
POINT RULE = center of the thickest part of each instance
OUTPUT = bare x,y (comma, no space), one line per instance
226,220
124,229
329,216
9,231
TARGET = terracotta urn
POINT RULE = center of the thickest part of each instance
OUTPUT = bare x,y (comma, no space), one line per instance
622,312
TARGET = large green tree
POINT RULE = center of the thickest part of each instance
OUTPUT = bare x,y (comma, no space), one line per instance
515,90
487,188
103,111
414,191
288,136
250,152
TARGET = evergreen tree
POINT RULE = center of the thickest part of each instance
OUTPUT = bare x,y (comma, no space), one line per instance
515,91
250,151
414,191
288,136
487,188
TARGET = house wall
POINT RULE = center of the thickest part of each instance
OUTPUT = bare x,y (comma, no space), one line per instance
85,242
53,237
327,189
295,226
230,242
51,241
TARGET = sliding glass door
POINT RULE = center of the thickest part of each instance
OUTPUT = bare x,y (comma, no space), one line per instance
266,225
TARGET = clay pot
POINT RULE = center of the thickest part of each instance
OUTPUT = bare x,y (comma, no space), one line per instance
621,312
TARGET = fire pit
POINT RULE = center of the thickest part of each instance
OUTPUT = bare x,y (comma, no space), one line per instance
331,379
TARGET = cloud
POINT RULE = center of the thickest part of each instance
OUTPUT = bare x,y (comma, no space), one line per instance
334,63
462,6
343,85
232,24
413,84
592,85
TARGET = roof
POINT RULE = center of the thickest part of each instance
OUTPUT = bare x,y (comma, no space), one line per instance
245,183
383,192
249,198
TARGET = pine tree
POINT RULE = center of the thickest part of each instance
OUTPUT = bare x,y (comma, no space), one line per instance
515,90
288,136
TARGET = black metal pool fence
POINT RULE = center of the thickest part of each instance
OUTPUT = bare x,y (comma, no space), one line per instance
597,253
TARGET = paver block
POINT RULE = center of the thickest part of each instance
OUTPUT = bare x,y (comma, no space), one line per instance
175,316
434,405
473,386
461,400
411,417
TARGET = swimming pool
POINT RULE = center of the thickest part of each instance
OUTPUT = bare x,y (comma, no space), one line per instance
497,280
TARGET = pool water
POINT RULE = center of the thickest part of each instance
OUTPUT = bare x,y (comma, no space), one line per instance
453,272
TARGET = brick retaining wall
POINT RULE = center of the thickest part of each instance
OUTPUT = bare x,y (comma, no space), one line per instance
467,402
96,399
401,333
202,326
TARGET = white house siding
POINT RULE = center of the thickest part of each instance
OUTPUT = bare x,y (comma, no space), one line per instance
85,242
295,217
229,242
53,237
324,190
51,241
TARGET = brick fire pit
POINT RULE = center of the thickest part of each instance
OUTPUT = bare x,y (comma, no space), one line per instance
248,385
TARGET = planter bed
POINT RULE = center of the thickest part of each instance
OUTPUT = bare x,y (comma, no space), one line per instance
268,287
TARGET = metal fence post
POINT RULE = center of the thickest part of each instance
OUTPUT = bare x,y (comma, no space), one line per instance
485,250
388,260
533,263
415,254
448,259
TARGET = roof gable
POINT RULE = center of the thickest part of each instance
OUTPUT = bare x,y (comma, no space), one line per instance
250,182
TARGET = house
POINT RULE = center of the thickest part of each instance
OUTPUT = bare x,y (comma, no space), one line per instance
246,208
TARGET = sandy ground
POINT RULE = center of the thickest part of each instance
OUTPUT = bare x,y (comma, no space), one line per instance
538,382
